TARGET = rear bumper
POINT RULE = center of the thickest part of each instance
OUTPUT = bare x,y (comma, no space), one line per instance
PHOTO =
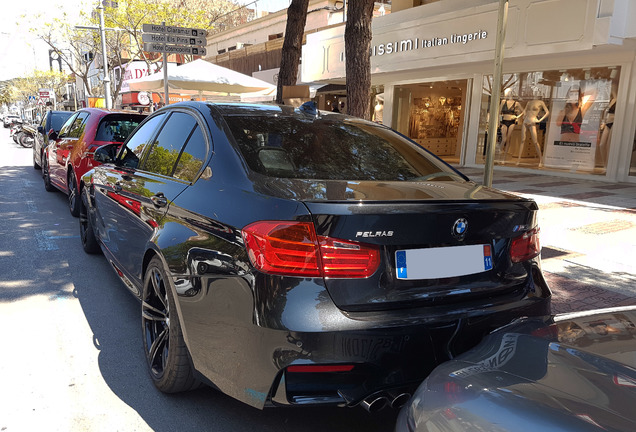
386,362
246,351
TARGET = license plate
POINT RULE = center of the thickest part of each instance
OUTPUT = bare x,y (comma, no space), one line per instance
443,262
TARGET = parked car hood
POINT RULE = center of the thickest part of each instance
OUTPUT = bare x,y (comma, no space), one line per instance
577,372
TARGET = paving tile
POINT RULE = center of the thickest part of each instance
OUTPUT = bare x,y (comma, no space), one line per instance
614,186
552,184
586,195
605,227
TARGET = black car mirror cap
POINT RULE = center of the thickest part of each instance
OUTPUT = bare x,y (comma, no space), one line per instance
106,153
52,134
40,129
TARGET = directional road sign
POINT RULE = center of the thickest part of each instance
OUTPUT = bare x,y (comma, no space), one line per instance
174,49
175,40
174,31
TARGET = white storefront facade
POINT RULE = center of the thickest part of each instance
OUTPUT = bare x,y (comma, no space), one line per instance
569,81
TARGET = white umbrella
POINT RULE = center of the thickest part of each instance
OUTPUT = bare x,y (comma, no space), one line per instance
202,77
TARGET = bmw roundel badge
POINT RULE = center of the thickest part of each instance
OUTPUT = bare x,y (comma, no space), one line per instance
459,228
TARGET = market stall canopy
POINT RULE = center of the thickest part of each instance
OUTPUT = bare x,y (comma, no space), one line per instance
203,77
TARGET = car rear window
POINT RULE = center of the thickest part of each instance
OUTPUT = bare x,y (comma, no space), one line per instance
325,148
116,128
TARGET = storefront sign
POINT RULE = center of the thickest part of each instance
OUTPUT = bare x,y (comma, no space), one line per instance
134,70
417,43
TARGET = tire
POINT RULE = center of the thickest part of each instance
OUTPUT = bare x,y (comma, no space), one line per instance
166,353
73,196
87,232
47,176
26,140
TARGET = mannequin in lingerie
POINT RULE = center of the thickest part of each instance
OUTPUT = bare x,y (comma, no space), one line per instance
606,130
510,110
530,123
570,118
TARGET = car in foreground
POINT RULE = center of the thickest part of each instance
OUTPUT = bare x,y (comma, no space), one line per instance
49,126
298,257
69,155
571,372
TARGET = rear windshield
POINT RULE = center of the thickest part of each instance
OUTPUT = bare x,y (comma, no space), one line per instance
116,128
329,148
58,119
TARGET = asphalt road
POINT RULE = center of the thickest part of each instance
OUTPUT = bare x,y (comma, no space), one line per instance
71,357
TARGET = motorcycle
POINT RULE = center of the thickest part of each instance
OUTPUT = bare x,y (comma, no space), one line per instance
29,135
15,132
23,134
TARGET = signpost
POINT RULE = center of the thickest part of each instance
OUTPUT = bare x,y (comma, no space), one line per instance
173,40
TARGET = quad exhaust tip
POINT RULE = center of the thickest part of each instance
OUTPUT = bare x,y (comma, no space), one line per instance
377,401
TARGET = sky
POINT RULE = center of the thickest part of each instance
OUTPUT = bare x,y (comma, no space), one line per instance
21,52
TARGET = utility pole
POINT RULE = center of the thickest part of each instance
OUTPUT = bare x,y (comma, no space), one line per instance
496,92
102,32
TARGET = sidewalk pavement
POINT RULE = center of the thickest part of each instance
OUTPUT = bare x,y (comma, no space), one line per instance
588,236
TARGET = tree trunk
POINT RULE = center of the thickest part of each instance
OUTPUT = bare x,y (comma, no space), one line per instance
292,46
358,58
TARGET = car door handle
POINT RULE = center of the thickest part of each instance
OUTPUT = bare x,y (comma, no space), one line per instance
159,200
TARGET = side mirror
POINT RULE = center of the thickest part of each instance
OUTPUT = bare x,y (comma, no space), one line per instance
52,135
106,153
41,130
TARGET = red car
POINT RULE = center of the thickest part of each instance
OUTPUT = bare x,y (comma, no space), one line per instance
69,155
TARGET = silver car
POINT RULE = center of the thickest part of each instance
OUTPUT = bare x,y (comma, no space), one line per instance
574,372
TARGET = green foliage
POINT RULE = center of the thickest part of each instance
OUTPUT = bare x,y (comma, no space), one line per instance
19,89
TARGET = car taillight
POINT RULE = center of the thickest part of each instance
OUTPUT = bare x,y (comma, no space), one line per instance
293,249
525,246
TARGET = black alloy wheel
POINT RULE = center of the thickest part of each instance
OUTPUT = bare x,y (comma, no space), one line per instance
73,197
46,175
166,353
87,234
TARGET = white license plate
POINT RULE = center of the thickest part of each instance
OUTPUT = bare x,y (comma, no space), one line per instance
442,262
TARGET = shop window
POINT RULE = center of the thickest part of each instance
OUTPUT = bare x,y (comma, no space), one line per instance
431,115
559,119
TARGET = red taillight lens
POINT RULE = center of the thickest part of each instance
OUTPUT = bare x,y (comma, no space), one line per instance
343,259
293,249
285,248
525,246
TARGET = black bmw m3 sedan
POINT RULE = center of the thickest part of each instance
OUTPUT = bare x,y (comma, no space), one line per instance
289,256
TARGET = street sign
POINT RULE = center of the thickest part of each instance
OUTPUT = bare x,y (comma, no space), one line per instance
174,49
175,40
46,93
174,31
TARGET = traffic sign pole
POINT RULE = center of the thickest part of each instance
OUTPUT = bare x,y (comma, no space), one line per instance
166,91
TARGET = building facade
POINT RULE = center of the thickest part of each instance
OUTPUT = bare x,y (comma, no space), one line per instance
569,86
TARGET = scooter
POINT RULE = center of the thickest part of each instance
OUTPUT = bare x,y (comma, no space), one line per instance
15,132
29,135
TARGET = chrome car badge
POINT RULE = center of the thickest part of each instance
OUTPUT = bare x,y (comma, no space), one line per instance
459,228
